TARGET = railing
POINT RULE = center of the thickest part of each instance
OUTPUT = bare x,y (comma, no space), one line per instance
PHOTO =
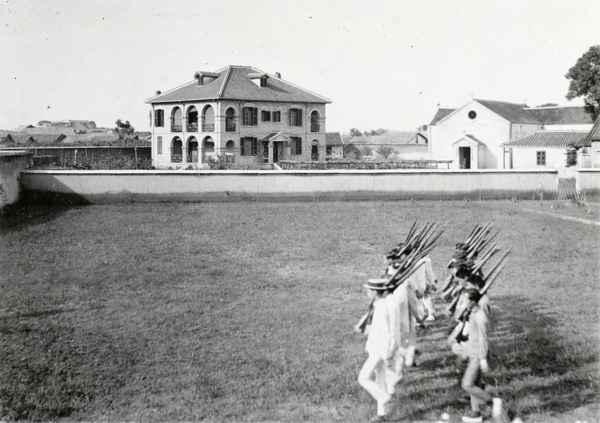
208,127
230,127
349,164
176,158
315,127
176,128
192,127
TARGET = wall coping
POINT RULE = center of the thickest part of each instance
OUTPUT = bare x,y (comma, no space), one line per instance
288,172
15,153
588,170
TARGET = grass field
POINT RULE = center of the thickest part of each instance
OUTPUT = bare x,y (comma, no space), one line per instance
244,311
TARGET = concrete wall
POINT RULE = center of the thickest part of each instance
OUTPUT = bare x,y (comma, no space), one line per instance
11,164
587,181
178,185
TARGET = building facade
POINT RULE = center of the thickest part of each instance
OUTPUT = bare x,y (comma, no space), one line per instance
239,113
473,135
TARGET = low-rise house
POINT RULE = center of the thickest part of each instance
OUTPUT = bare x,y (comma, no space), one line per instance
335,145
472,136
239,112
540,149
396,145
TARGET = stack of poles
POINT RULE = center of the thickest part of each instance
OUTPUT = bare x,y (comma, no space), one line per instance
406,259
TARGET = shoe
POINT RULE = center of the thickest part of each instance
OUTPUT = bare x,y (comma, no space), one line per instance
472,417
430,318
377,418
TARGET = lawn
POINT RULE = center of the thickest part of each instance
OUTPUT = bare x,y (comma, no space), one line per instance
244,311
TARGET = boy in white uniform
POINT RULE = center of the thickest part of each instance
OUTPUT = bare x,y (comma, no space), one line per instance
379,346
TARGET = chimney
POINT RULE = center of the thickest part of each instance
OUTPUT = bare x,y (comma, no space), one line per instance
278,75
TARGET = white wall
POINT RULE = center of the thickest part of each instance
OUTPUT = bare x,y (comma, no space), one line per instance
11,164
111,186
526,158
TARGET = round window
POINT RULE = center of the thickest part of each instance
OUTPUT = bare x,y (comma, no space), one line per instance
472,114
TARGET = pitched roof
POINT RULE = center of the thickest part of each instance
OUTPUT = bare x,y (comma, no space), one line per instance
592,135
56,130
333,139
512,112
561,115
391,138
234,83
440,114
551,139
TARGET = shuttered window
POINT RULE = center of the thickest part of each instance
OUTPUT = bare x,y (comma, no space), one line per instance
295,117
159,118
250,116
249,146
296,146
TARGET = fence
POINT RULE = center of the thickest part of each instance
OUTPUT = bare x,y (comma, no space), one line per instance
44,156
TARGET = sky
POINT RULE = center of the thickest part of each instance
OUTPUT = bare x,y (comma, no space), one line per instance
383,64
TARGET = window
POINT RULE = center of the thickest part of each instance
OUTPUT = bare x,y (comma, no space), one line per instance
265,116
249,146
158,145
296,147
263,81
250,116
159,118
472,114
540,158
277,116
295,117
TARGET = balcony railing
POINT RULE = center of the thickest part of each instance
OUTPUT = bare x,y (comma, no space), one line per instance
315,127
192,127
176,128
208,127
176,158
230,126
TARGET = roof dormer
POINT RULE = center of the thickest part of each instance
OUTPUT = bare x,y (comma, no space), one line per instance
259,79
205,77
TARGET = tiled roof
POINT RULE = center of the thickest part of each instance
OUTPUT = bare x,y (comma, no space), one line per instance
552,139
333,138
233,83
391,138
441,114
561,115
592,135
55,130
512,112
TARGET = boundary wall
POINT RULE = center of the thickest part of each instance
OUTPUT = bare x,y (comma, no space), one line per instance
588,181
11,165
95,186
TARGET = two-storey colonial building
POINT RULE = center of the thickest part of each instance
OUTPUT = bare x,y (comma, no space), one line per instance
238,112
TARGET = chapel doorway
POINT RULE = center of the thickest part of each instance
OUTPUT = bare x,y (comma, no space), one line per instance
464,157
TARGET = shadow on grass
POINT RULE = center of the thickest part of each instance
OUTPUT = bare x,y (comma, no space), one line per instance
34,208
533,368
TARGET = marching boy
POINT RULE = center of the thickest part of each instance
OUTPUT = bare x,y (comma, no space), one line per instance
379,347
477,349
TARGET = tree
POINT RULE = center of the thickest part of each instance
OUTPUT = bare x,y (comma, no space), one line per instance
355,133
547,105
585,80
123,129
385,151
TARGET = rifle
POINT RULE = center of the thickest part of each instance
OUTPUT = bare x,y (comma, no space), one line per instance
464,316
365,321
